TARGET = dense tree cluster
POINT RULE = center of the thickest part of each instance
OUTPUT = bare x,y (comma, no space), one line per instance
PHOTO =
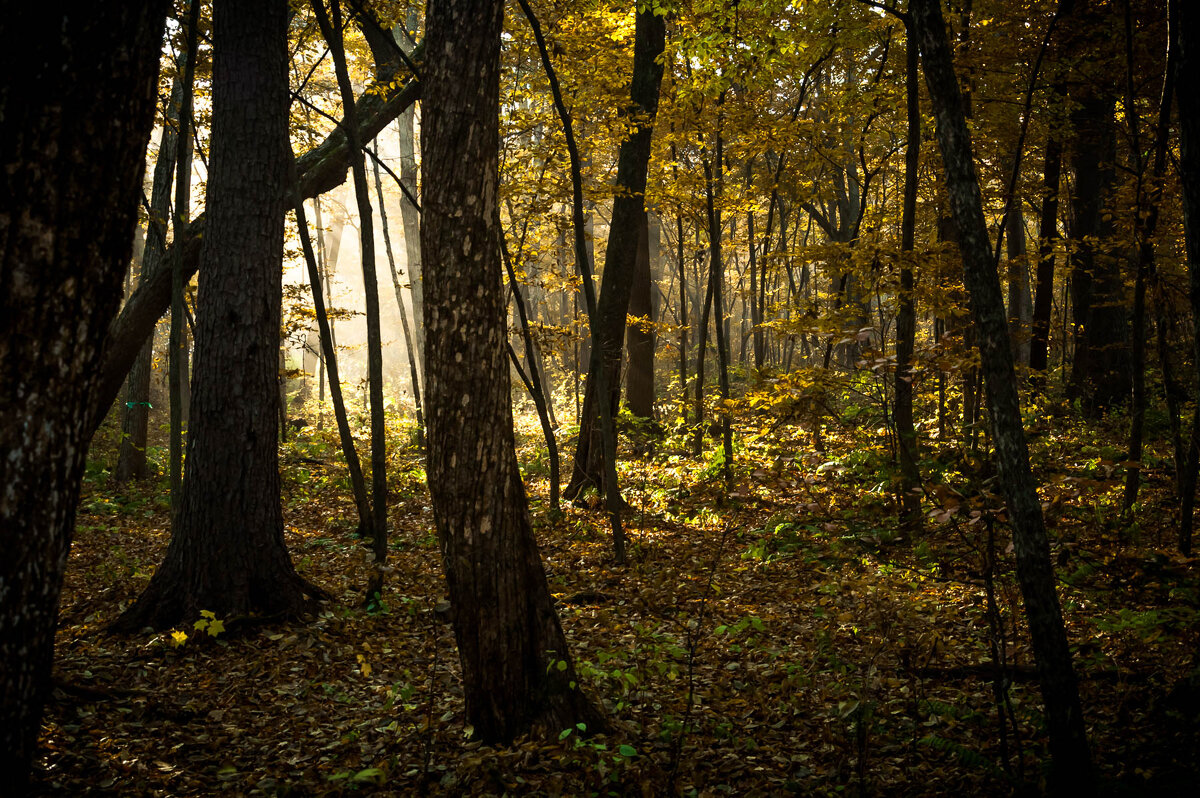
959,211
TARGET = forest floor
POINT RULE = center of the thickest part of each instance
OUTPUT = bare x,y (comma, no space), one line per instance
781,635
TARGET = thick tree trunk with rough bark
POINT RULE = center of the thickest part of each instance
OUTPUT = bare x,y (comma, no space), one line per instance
509,638
1072,767
628,216
227,553
77,99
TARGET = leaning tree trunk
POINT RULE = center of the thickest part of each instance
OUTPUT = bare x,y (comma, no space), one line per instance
517,672
72,153
1072,766
227,553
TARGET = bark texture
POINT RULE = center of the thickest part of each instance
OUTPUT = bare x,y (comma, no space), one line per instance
1068,741
227,553
509,638
77,99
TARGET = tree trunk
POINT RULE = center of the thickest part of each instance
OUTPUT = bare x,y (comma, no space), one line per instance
411,220
906,317
1043,304
1100,374
1019,310
331,29
321,169
178,354
716,282
639,375
358,484
227,553
1147,202
517,671
414,363
608,333
1072,768
681,264
87,101
135,421
1187,78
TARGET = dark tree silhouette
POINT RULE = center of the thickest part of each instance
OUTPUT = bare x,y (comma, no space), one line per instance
77,99
227,553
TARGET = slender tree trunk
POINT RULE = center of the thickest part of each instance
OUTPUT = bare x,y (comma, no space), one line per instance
1072,767
331,29
1187,78
517,670
358,484
409,347
1147,204
178,355
608,323
716,280
131,458
639,375
227,553
1043,304
409,214
906,317
701,345
87,99
1019,311
533,382
681,263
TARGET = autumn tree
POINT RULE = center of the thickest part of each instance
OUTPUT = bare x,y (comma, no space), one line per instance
517,670
620,260
1035,573
77,100
227,553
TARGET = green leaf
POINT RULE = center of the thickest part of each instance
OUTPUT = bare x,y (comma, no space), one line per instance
627,751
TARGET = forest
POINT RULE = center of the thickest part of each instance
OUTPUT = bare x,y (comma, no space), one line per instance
600,397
